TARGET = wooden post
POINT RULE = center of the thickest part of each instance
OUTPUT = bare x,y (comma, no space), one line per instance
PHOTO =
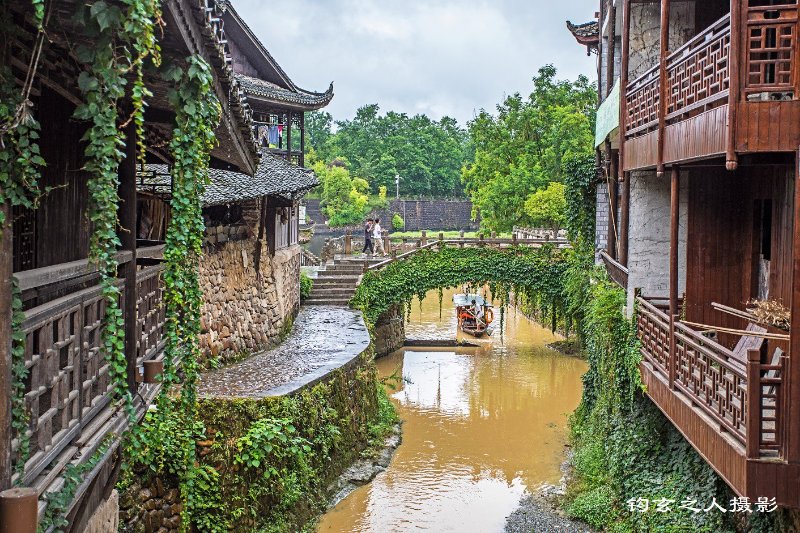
387,243
461,234
6,271
613,206
731,158
302,139
624,221
289,136
441,241
423,241
623,82
792,379
514,238
126,214
662,83
753,405
611,16
674,234
348,243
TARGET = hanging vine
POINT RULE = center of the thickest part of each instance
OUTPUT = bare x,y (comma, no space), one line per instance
114,31
197,115
533,271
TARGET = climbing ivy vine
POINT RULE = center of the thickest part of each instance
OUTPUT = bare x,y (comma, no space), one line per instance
535,273
122,37
197,115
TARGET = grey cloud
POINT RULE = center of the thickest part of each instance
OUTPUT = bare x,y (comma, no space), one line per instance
440,57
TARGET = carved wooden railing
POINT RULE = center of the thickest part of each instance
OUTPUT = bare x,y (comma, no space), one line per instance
150,314
67,390
744,396
652,328
642,98
697,78
616,271
713,378
697,72
770,49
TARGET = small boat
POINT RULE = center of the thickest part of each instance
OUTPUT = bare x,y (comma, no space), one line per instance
468,322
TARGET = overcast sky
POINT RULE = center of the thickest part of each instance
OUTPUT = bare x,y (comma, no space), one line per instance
438,57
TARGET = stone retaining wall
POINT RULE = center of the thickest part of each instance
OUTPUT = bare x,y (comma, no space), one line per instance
244,309
444,215
151,506
390,331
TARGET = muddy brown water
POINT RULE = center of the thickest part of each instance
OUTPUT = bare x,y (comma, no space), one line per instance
481,427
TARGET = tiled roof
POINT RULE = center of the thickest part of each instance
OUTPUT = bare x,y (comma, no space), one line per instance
271,91
275,177
587,34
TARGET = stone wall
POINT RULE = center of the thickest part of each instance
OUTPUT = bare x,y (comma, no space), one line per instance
245,309
444,215
150,506
645,33
648,248
390,331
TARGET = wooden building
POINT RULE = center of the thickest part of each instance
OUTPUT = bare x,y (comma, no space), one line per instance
67,393
251,259
701,163
278,104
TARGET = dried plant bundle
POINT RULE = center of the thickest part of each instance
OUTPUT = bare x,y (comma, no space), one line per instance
770,312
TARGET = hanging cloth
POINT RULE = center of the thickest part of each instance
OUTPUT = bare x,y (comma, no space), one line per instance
274,135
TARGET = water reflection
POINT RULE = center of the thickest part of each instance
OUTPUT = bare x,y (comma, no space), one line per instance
480,426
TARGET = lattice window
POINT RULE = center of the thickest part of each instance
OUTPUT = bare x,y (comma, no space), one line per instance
150,313
771,39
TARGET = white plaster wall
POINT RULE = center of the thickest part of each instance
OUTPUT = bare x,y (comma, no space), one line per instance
648,247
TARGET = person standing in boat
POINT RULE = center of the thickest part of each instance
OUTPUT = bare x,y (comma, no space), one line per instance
368,247
377,239
477,312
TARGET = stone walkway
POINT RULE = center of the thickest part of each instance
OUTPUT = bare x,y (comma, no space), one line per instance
323,339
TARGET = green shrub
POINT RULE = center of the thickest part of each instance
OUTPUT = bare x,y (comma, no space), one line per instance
306,284
595,506
398,224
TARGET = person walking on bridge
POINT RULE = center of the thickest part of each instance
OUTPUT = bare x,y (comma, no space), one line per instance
368,246
377,238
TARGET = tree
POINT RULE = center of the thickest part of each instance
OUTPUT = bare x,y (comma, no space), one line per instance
426,153
523,147
318,126
344,199
547,208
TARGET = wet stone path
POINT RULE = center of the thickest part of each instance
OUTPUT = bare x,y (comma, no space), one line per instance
323,339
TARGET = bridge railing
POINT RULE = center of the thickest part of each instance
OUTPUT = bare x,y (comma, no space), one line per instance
461,242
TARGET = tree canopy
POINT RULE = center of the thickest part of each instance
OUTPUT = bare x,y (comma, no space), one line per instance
426,154
526,145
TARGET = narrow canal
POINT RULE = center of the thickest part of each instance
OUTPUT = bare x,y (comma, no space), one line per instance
481,427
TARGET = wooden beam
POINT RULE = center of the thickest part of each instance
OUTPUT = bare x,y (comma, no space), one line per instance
793,386
623,82
6,383
613,204
735,55
624,221
674,235
127,233
302,139
662,84
289,136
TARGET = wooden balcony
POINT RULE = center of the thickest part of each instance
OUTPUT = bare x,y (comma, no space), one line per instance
724,92
67,392
616,271
730,406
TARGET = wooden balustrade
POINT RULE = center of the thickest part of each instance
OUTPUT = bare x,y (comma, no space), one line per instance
68,384
697,73
743,396
642,101
616,271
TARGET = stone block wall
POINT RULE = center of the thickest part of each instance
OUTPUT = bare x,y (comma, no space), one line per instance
390,331
150,507
444,215
245,309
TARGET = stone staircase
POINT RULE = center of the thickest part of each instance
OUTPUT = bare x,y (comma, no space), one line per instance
336,283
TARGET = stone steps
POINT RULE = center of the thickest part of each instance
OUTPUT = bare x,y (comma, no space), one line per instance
336,284
339,302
